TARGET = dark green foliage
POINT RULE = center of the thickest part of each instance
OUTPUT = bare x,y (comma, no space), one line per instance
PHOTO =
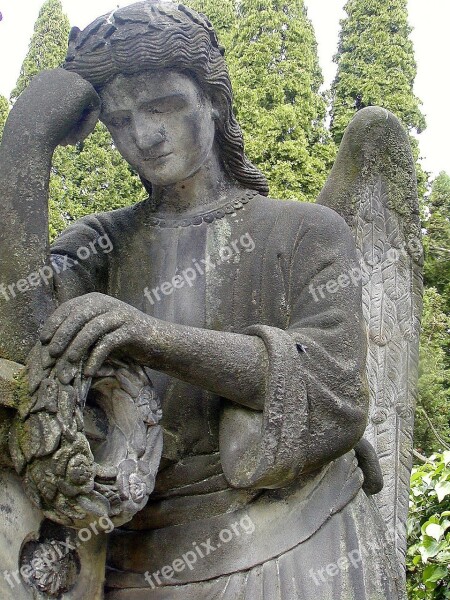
4,110
437,238
434,381
376,66
277,75
434,377
47,45
221,14
92,176
428,557
271,53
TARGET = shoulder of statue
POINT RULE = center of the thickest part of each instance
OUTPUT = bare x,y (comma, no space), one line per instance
293,215
102,223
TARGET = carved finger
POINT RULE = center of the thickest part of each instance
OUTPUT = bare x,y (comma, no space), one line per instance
103,349
91,333
72,325
54,322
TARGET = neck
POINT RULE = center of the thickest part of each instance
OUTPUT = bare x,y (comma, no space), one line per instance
210,184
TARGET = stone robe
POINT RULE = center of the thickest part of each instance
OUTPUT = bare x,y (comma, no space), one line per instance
286,272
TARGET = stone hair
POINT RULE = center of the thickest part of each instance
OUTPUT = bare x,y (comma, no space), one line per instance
155,35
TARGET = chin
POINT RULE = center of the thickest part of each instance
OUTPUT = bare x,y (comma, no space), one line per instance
169,178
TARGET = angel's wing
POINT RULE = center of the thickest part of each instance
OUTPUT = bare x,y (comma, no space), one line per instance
373,186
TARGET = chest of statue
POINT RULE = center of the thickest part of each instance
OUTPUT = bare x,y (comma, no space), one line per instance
210,275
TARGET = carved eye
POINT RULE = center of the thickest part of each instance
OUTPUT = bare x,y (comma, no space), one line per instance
119,121
156,110
165,105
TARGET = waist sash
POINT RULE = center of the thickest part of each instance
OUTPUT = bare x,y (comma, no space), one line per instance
204,549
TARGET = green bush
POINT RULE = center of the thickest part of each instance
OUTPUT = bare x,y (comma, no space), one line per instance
428,557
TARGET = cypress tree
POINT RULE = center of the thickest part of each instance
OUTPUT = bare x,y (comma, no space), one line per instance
91,176
376,66
273,58
432,424
434,380
271,52
4,110
221,14
47,45
437,238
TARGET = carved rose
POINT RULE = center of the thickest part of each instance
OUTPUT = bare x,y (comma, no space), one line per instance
138,488
131,484
79,470
54,569
149,408
75,467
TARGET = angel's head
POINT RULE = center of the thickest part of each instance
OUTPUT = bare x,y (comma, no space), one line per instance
157,46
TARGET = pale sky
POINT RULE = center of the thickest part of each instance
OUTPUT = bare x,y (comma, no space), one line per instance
431,39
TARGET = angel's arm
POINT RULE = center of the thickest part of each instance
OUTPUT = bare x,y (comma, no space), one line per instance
316,399
45,113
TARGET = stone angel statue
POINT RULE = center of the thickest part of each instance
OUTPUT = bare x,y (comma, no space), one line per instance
203,393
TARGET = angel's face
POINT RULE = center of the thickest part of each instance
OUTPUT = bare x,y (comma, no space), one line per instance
160,122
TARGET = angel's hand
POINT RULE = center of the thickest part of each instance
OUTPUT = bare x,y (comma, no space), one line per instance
58,107
95,326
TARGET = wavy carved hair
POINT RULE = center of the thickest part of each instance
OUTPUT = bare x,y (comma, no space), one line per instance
155,35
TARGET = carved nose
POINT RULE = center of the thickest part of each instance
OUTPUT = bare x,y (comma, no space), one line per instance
148,139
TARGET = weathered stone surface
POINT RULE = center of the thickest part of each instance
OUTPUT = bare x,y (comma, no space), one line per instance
8,373
20,520
373,185
247,319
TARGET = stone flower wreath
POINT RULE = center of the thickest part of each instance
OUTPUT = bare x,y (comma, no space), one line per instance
76,476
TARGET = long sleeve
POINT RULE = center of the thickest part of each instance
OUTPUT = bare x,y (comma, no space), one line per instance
315,406
79,259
